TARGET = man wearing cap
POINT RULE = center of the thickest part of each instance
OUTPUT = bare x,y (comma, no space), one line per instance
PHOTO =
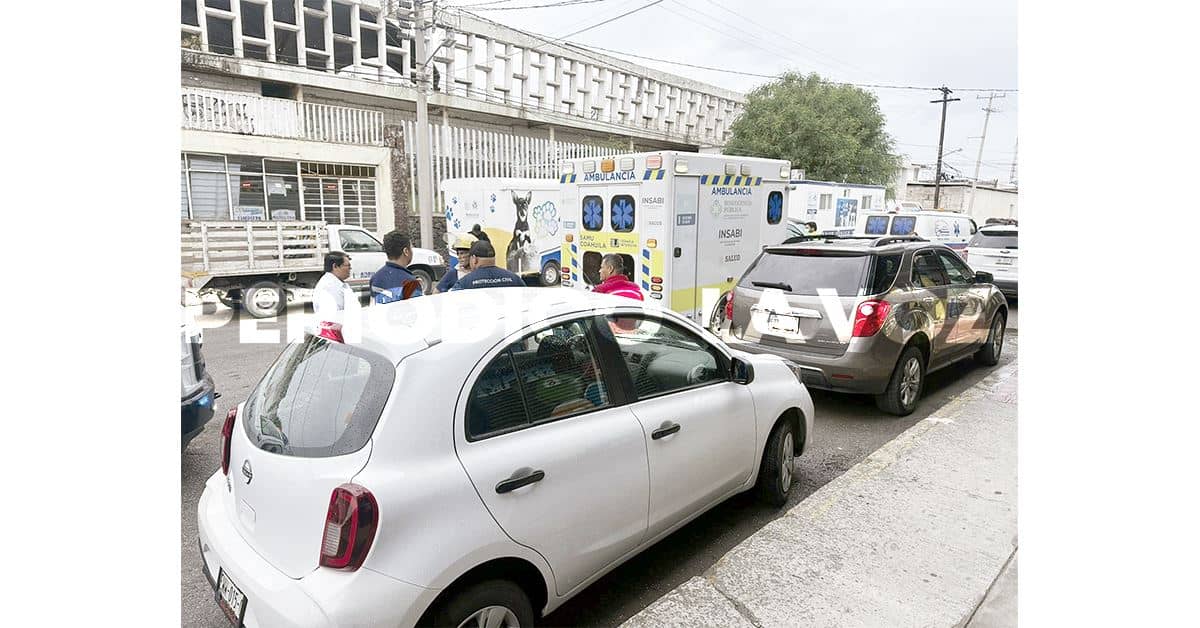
484,272
462,251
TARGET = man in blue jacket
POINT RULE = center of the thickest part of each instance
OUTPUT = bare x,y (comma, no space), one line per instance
394,282
484,272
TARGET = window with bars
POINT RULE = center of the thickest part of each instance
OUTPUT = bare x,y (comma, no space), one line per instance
220,187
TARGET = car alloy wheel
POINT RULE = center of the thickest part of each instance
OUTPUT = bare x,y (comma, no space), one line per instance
910,385
997,337
491,617
786,463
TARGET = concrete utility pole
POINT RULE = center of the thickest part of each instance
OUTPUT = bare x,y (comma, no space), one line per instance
424,157
937,177
1012,175
982,138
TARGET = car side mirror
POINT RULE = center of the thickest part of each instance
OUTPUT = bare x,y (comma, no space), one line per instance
983,277
743,372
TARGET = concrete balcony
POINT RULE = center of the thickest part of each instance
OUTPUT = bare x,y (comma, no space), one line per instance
250,114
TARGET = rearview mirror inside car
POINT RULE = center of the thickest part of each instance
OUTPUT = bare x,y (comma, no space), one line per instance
743,372
983,277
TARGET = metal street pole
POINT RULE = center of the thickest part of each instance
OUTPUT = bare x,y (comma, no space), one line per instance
424,157
937,180
982,138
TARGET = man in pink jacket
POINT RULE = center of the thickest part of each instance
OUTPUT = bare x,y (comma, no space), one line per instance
613,280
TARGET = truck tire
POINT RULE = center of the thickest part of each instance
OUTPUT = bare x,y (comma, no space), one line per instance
231,299
551,274
264,299
426,279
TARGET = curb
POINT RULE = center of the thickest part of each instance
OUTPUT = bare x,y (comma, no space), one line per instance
911,535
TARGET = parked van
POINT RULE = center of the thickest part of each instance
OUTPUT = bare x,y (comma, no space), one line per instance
521,218
686,225
834,207
949,228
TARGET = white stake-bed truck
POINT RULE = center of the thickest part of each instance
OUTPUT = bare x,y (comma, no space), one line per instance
261,265
686,225
521,218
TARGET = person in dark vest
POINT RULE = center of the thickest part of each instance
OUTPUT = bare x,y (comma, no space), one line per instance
484,272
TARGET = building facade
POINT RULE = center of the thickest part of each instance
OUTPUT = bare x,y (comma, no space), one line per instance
990,201
305,109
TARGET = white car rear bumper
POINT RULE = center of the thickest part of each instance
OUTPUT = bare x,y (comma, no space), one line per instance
325,597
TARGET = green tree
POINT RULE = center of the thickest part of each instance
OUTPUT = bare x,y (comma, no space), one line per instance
834,132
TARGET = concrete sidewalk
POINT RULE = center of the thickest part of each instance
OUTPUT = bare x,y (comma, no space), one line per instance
918,534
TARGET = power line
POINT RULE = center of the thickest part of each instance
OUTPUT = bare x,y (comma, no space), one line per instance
771,30
564,3
611,19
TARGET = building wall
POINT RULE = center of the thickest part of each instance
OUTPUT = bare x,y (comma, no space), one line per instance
956,197
380,157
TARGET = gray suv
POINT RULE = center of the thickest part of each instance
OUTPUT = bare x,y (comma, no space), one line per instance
868,315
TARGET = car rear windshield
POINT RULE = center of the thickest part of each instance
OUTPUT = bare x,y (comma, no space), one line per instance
319,399
993,239
804,273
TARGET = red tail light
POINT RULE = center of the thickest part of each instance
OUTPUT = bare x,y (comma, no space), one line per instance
227,438
729,307
330,331
349,527
869,318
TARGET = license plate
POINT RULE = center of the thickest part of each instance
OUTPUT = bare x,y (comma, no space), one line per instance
231,599
780,322
1004,261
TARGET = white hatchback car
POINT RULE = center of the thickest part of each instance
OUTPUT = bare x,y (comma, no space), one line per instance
419,477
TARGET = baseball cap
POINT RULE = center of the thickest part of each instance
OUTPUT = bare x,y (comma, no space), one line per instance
483,248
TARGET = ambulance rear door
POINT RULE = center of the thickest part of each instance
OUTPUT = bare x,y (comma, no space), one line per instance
684,216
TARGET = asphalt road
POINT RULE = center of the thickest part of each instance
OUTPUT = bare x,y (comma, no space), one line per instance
846,430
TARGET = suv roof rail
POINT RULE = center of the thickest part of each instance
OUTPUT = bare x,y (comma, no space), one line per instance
894,239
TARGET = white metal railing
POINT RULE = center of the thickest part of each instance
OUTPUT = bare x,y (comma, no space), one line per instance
250,114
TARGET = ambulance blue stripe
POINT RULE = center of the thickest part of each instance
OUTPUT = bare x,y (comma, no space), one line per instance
645,269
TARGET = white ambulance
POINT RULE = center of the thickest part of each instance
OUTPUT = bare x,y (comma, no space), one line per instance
686,224
521,218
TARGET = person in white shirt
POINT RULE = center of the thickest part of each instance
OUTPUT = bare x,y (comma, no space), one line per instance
329,297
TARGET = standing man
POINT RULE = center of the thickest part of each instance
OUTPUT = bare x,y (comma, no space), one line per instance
484,273
477,231
329,296
613,281
462,252
393,281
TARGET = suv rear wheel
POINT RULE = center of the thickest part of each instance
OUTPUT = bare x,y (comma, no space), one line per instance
904,388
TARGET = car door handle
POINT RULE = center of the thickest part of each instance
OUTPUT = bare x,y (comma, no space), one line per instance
513,484
665,431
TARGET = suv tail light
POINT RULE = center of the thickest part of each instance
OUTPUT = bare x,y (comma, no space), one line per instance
729,307
869,318
227,438
350,526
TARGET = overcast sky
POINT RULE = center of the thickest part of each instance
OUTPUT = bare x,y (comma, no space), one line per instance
923,43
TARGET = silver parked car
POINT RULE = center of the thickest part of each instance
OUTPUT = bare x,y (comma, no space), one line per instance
868,315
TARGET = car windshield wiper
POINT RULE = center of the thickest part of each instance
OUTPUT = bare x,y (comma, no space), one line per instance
772,284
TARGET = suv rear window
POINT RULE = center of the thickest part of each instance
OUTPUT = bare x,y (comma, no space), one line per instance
319,399
994,239
805,274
